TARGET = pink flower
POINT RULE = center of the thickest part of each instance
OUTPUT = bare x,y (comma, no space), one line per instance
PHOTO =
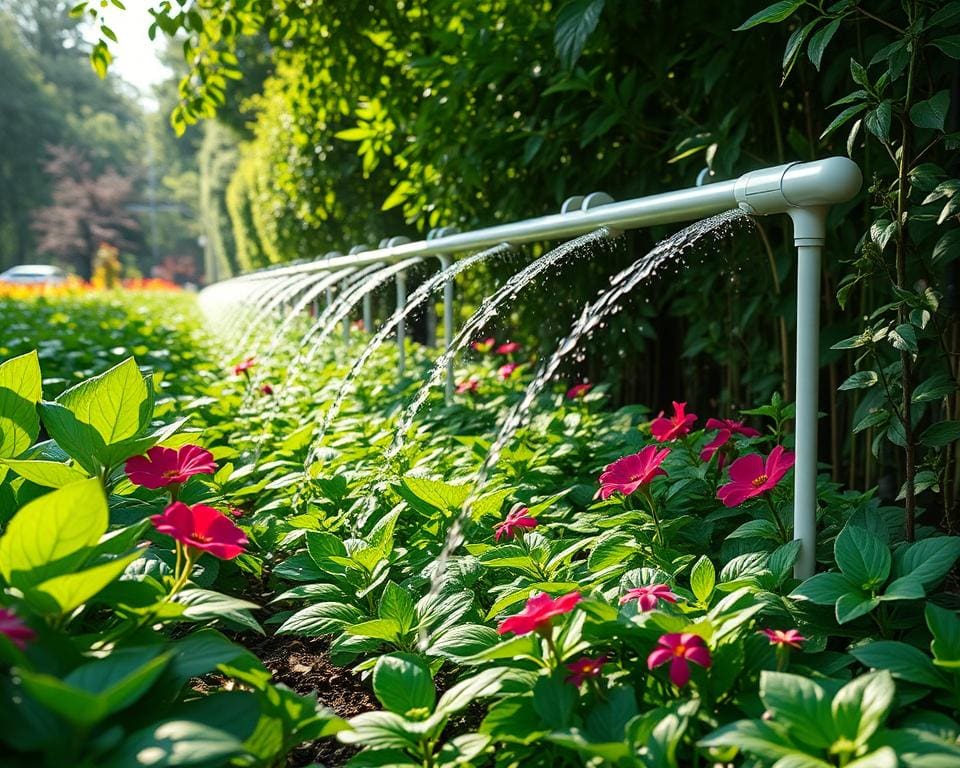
202,528
266,389
506,370
468,385
357,325
727,429
15,630
578,390
732,426
678,650
235,511
585,669
649,596
750,476
484,346
508,348
538,613
630,472
169,466
664,429
243,367
514,523
784,637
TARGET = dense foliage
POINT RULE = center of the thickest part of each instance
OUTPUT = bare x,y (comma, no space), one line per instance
644,614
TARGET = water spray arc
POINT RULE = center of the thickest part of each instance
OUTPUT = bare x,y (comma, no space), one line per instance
802,190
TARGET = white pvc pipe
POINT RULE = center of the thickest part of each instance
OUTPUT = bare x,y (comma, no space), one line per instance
807,383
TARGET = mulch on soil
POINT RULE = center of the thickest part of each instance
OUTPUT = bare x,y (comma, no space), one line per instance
304,665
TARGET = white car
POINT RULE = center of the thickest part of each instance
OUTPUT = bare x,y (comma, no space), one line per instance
34,274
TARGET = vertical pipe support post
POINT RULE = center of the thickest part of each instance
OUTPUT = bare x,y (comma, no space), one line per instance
446,261
809,231
401,281
367,299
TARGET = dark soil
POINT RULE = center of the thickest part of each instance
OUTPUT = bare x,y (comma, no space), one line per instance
304,665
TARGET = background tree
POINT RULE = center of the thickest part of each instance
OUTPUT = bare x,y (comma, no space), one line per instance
87,209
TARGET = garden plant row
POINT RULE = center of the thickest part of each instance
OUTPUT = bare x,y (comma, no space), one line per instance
623,593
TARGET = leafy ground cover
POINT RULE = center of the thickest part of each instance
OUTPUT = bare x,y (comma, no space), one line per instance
180,589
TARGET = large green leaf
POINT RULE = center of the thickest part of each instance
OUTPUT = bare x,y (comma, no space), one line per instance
901,660
801,705
99,688
823,588
772,14
178,743
49,474
63,593
403,684
19,395
861,706
51,535
576,22
863,558
930,560
113,403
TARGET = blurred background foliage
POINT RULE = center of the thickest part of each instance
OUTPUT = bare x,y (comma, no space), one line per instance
310,127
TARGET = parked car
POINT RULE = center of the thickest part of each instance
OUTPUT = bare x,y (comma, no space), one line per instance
34,274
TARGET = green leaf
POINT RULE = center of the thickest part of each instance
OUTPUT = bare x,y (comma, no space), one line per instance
178,743
49,474
853,605
860,380
901,660
703,578
402,684
877,120
754,736
380,629
19,395
863,558
941,434
904,337
861,706
396,604
462,641
80,441
485,683
576,21
50,536
99,688
931,113
820,41
64,593
947,248
933,389
111,403
321,619
945,627
205,605
771,14
930,560
801,705
427,496
950,45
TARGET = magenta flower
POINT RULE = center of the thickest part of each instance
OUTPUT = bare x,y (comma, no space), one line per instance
468,385
679,650
584,669
506,370
664,429
578,390
629,473
201,528
508,348
243,367
15,630
514,523
784,637
266,389
750,476
727,428
537,615
484,346
648,597
169,466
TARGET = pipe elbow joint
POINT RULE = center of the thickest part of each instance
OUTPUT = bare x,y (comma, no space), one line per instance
803,190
